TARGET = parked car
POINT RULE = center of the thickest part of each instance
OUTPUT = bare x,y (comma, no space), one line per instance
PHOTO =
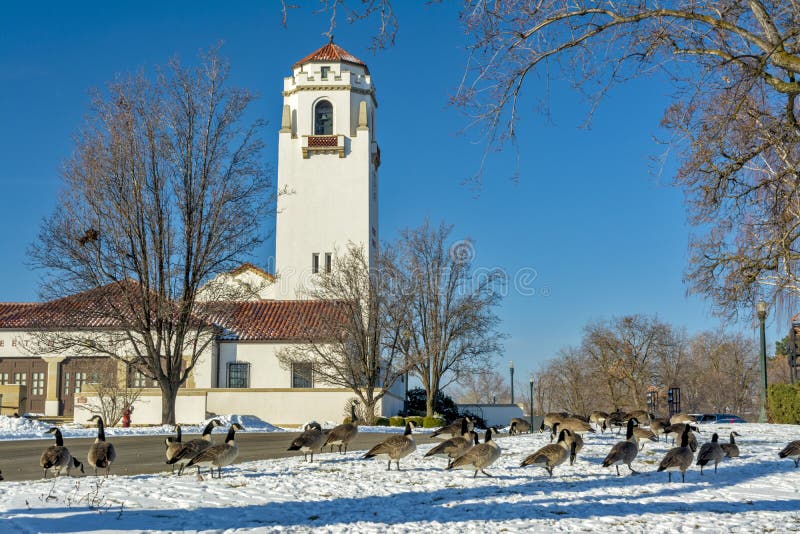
718,418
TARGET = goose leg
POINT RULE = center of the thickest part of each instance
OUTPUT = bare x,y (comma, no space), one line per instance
485,473
398,464
701,470
476,474
389,466
634,471
617,466
669,473
45,473
683,476
550,470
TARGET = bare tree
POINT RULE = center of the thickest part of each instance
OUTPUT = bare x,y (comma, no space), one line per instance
451,324
112,398
166,189
633,344
482,387
734,67
363,351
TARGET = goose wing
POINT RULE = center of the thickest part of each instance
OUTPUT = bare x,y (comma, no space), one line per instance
391,445
189,450
792,449
620,452
451,447
676,457
207,455
546,455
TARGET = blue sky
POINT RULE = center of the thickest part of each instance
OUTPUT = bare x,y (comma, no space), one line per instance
604,234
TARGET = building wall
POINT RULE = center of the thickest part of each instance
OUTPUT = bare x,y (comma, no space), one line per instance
331,200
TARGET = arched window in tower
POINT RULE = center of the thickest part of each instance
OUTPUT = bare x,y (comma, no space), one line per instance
323,118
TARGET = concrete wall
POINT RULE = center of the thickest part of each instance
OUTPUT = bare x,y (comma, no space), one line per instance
190,408
11,399
278,406
495,414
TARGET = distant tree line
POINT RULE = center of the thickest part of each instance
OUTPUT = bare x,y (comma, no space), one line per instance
621,359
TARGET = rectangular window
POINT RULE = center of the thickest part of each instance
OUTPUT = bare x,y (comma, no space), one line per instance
80,380
139,380
3,378
37,385
238,375
2,342
328,262
302,375
315,263
21,379
66,383
324,72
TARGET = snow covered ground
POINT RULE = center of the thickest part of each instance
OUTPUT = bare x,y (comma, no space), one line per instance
343,493
12,428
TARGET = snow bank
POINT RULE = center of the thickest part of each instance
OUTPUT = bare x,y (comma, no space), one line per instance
344,493
22,427
13,428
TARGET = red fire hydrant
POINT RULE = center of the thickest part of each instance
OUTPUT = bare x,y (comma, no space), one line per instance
126,417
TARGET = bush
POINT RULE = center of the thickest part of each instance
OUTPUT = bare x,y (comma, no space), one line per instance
397,421
346,421
416,419
783,403
381,421
433,422
442,404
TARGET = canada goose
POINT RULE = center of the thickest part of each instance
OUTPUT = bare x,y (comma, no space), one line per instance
731,449
57,457
218,455
624,452
310,441
678,458
173,445
682,418
480,456
569,439
552,417
551,455
455,447
677,430
643,434
599,419
792,451
640,415
395,447
657,426
575,425
454,428
519,425
710,452
192,448
343,434
101,453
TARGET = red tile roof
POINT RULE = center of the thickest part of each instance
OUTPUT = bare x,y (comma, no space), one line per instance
332,52
261,320
96,308
279,320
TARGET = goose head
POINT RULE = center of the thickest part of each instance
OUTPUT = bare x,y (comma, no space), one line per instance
714,438
237,426
51,431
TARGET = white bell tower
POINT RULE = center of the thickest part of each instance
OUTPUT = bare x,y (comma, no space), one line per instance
328,162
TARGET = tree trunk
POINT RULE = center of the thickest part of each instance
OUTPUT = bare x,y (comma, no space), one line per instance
169,394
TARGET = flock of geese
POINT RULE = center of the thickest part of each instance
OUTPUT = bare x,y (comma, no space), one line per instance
462,450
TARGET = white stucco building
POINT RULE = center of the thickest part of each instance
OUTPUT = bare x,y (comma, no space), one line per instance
328,160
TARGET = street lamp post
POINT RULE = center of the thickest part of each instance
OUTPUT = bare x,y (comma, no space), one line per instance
511,368
531,407
761,310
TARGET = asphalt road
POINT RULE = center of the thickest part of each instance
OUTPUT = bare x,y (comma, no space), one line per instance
19,460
